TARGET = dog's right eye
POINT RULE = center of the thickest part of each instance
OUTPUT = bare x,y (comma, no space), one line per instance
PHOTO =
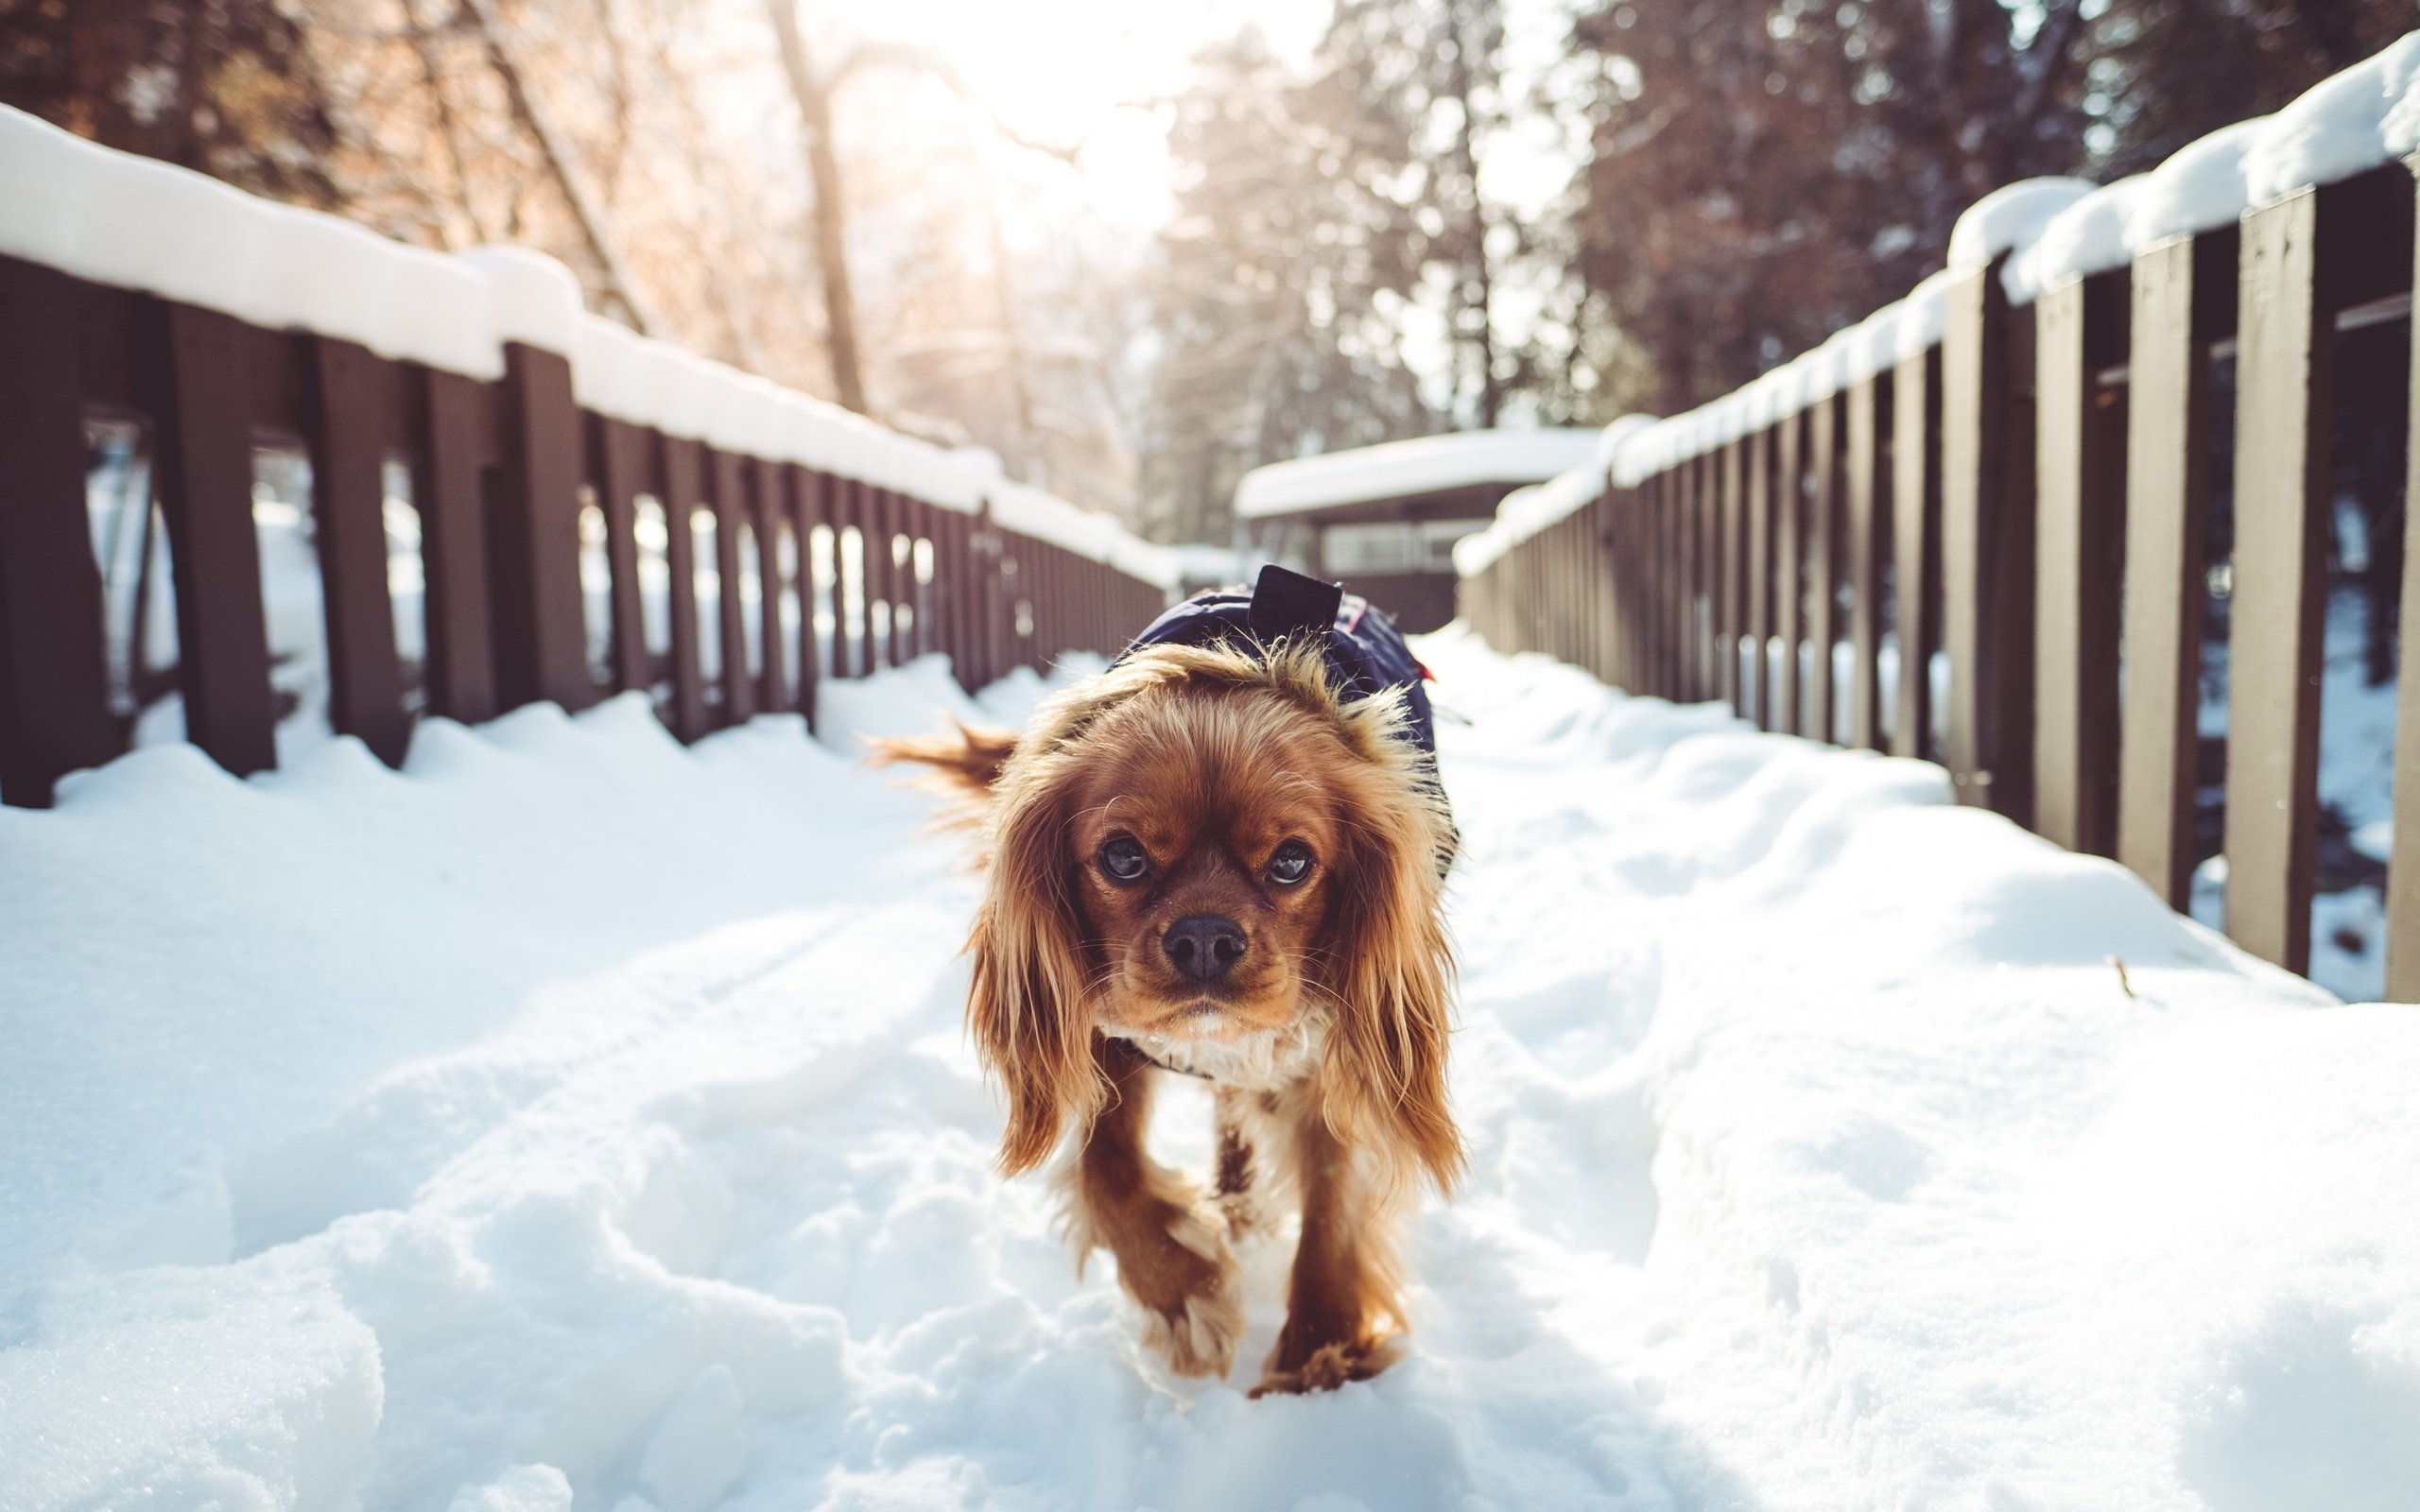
1124,859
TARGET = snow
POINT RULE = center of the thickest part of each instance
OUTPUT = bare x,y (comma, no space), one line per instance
576,1120
2008,219
1525,511
2360,118
2092,234
1426,464
2199,188
70,204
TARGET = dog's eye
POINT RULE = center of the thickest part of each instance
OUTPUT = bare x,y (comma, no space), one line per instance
1290,863
1124,859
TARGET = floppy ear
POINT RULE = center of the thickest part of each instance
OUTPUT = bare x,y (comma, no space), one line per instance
1028,1010
1392,968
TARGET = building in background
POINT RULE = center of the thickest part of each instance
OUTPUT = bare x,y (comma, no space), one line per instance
1384,519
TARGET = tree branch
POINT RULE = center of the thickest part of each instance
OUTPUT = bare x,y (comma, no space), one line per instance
558,156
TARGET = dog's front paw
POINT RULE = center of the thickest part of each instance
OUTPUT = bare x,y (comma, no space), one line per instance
1193,1316
1326,1368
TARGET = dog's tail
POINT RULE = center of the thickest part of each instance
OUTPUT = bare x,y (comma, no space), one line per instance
963,765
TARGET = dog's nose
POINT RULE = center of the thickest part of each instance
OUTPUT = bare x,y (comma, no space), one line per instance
1204,946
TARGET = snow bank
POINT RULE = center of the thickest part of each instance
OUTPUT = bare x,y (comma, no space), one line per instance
572,1119
132,222
1426,464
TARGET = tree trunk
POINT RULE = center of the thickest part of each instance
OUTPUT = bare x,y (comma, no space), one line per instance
1475,289
831,209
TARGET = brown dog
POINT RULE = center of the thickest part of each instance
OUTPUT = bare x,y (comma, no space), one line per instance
1207,861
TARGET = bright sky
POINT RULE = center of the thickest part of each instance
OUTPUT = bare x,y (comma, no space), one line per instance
1061,70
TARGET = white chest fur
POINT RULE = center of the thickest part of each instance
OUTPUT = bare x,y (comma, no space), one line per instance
1268,1061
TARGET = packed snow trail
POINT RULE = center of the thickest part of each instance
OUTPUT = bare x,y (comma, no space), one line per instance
577,1120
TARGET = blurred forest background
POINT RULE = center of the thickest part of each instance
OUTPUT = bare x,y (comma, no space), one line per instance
1344,222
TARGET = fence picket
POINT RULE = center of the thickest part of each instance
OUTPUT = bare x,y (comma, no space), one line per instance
2284,385
683,496
451,463
1915,544
1789,591
617,457
1866,518
2080,331
1757,692
537,611
205,468
1987,549
54,666
355,394
2175,320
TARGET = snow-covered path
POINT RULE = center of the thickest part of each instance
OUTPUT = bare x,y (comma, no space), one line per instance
575,1120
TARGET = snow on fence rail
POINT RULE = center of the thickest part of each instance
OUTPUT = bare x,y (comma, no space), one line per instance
134,291
2006,474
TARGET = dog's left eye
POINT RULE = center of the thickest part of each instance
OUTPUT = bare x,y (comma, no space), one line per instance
1124,859
1290,863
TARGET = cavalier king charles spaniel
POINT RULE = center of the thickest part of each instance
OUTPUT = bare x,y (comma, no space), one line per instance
1221,861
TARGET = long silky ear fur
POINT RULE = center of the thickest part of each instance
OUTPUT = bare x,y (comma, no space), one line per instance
1391,967
1028,1010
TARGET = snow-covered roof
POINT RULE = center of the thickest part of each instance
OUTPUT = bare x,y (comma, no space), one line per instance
1399,469
132,222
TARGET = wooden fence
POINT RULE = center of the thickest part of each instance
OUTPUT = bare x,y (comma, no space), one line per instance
500,473
2018,502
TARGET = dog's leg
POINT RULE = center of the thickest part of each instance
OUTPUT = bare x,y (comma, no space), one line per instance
1237,1158
1343,1302
1170,1256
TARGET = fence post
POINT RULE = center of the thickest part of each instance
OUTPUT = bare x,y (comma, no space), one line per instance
1824,567
2285,397
2079,329
899,572
1650,569
683,495
2183,296
1868,517
354,394
1757,690
450,485
206,446
1987,548
1705,616
54,659
2403,867
533,535
616,452
772,516
731,512
1915,543
1734,557
1789,577
1605,580
806,509
962,625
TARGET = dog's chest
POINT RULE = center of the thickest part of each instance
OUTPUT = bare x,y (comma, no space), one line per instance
1269,1061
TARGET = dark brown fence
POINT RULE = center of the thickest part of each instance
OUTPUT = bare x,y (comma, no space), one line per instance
500,476
2024,501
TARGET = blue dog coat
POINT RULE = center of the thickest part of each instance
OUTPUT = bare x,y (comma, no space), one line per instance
1365,653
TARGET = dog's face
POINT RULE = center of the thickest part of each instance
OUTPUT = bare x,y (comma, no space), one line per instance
1206,844
1202,845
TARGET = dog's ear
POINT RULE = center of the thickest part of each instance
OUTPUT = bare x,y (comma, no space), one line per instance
1028,1011
1392,969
